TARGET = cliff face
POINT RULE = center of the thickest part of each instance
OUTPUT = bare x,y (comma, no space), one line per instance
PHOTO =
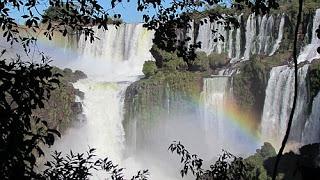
151,101
247,55
62,109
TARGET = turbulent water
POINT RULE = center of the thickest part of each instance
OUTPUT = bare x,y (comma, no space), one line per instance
111,63
115,61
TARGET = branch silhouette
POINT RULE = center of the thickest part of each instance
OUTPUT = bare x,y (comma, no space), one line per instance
286,137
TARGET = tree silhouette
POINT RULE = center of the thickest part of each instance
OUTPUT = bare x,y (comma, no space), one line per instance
227,166
23,88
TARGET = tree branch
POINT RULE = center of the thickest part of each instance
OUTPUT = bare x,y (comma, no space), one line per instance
286,137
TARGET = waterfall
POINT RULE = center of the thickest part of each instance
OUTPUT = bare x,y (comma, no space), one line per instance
280,36
111,63
262,30
279,98
278,104
309,52
250,34
214,96
222,130
127,42
311,133
259,37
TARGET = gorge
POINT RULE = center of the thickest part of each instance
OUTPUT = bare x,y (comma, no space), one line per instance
132,119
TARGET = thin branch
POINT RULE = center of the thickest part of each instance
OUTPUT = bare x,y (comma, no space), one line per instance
286,137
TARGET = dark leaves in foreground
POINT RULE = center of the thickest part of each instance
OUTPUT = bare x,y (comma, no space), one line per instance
83,166
227,167
23,88
180,14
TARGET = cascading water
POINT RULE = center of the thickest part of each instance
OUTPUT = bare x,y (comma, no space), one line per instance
279,98
278,104
221,127
111,63
280,35
311,132
258,36
214,96
309,52
250,34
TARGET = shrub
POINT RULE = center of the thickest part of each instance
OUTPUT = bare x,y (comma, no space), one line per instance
149,68
217,60
201,63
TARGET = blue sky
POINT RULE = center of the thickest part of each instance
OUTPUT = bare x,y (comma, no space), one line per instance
128,10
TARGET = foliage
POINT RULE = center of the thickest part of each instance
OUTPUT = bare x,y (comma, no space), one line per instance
167,60
23,88
174,65
217,60
227,166
249,86
81,166
149,68
73,16
56,13
201,62
61,109
255,163
297,166
178,14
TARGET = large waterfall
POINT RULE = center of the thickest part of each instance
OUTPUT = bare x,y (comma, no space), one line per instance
111,63
115,60
278,104
279,98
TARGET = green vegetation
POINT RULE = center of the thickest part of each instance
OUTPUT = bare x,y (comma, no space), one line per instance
162,95
218,60
249,87
255,163
61,109
149,68
168,61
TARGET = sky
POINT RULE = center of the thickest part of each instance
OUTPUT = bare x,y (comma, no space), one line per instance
128,10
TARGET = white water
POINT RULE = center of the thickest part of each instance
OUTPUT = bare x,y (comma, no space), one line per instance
280,36
309,52
279,98
311,132
258,37
278,104
250,34
220,129
110,70
214,96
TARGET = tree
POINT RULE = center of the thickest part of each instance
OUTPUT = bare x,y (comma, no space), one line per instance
227,166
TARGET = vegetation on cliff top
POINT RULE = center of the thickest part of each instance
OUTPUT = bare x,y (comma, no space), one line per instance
61,109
